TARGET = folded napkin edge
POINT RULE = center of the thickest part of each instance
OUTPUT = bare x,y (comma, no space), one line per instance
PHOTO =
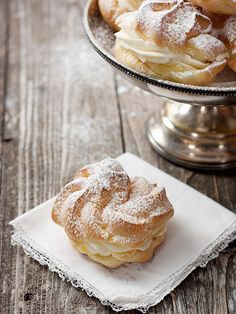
32,249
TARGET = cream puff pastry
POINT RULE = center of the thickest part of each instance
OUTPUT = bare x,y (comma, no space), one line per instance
227,7
111,218
111,9
170,40
224,28
228,35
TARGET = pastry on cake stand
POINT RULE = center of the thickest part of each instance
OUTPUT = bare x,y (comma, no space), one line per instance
196,126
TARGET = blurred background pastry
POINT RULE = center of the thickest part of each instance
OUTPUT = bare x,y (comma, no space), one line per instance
170,40
227,7
228,35
111,218
111,9
223,18
224,28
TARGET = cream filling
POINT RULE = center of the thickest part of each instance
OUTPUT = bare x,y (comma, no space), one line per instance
147,51
106,248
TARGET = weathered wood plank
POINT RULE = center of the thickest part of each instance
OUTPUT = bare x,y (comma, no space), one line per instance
59,119
3,68
4,295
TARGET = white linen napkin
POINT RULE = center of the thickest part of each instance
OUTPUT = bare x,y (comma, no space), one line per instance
199,229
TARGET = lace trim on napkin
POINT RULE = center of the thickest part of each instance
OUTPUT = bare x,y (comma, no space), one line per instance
32,249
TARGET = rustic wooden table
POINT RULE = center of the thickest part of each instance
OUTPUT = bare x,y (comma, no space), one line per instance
61,108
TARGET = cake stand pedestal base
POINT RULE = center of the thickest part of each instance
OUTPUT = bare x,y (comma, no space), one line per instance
202,137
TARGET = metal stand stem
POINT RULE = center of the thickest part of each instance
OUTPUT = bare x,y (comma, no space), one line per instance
201,137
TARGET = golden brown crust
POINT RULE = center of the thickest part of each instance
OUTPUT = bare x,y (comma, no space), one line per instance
103,208
227,7
176,23
111,9
224,28
228,35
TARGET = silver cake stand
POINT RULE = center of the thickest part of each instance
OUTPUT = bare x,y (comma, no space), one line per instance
196,127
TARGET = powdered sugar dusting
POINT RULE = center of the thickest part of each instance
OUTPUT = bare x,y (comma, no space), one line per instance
213,48
103,33
102,202
145,202
228,32
173,25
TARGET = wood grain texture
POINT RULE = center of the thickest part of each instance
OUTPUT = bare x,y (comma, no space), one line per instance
62,107
59,119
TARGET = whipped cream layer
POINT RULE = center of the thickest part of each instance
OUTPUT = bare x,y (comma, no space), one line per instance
107,249
147,51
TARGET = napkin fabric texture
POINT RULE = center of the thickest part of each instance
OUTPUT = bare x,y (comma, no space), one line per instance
199,230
